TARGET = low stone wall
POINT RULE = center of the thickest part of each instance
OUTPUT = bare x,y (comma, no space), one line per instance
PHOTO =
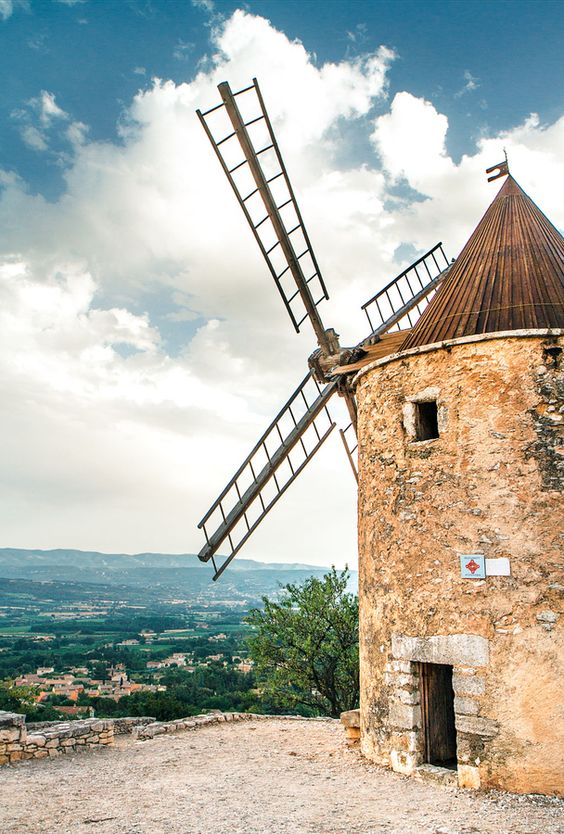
195,721
16,743
48,738
129,725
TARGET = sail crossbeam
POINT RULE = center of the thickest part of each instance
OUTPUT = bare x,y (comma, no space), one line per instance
287,446
242,136
400,303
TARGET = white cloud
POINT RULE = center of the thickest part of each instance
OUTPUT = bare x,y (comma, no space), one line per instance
47,108
204,5
410,140
33,138
470,84
6,9
37,118
118,442
76,133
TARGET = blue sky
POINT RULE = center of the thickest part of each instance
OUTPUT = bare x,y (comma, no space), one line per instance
487,65
143,348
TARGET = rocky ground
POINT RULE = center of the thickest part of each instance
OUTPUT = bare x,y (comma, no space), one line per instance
258,777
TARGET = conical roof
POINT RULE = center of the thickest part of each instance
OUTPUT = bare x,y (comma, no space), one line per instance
509,276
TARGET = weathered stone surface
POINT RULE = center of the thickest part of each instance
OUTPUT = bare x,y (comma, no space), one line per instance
11,719
466,685
403,762
10,734
468,649
466,706
478,726
468,777
432,773
350,718
403,716
490,483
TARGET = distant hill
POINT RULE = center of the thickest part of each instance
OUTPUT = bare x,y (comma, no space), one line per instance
156,574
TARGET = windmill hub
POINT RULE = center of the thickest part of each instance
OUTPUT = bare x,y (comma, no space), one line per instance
323,361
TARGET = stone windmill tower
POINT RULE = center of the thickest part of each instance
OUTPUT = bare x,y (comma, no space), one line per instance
455,398
460,517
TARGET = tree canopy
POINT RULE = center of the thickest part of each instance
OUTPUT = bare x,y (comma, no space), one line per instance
305,646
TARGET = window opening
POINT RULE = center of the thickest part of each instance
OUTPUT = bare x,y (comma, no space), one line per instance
437,713
426,420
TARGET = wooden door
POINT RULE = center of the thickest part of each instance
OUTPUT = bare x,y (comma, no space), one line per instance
437,710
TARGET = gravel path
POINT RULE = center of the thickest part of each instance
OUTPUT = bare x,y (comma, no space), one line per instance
259,777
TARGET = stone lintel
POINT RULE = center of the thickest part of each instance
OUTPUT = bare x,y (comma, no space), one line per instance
451,649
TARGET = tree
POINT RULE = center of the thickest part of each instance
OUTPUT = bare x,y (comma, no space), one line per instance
305,646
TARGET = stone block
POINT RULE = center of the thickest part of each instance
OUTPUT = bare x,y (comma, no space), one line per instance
465,706
406,741
451,649
39,741
16,756
350,718
41,754
404,716
399,666
468,777
10,734
13,745
353,733
4,759
473,725
403,762
11,719
433,773
405,697
466,685
52,743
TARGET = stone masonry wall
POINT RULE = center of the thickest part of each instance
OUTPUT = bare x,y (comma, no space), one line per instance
17,744
51,738
490,484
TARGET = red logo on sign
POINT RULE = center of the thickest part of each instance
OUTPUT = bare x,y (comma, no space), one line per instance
472,566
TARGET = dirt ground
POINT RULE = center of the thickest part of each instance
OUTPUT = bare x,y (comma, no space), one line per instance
257,777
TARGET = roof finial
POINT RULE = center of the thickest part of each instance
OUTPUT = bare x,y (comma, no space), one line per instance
502,168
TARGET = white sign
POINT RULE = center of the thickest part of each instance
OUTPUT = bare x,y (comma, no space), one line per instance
498,567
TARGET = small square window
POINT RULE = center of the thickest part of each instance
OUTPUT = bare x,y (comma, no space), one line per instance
426,421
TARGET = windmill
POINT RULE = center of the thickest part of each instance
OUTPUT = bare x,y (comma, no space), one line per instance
241,134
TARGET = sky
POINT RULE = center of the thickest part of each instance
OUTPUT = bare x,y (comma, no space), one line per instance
143,346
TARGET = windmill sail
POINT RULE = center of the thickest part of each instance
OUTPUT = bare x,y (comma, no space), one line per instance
287,446
242,136
401,302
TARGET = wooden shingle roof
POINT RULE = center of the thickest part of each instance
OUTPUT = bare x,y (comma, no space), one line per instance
509,276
